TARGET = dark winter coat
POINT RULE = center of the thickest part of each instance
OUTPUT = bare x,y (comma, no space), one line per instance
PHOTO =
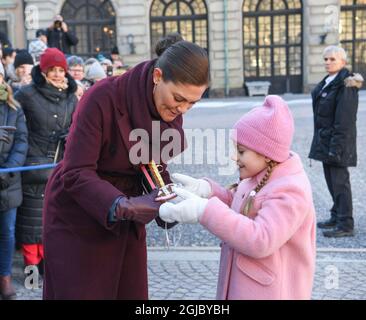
61,40
13,155
86,257
48,111
335,114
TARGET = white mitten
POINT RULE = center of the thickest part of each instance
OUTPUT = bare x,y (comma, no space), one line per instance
199,187
187,211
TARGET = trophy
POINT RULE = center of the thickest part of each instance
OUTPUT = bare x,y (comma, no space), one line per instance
151,179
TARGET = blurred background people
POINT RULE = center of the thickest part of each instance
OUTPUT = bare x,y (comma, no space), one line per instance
59,36
39,45
94,71
48,103
23,65
7,60
13,151
75,66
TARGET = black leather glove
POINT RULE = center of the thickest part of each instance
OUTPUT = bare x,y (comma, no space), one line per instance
4,181
4,136
142,209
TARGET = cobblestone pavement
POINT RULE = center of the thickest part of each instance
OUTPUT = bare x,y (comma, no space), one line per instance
189,271
191,274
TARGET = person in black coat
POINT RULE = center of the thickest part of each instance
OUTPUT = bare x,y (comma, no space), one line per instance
335,104
13,151
48,104
59,36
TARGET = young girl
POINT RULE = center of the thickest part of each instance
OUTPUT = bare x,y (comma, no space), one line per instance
266,223
13,150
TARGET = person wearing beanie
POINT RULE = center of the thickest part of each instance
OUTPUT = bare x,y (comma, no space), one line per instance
94,72
39,45
23,64
48,103
266,221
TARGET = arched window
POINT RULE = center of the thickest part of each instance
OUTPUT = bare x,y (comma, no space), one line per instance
353,33
188,17
94,23
272,43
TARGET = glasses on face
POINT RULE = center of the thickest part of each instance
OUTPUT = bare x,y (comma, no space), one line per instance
76,70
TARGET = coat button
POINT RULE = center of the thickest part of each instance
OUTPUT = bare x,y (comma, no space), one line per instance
42,195
55,116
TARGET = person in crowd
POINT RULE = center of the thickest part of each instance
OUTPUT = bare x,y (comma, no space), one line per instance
13,151
39,45
59,36
76,67
335,104
23,65
94,71
8,60
116,58
48,103
107,66
266,222
104,240
80,89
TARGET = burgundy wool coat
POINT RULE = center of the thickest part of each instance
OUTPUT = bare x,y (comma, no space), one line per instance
86,257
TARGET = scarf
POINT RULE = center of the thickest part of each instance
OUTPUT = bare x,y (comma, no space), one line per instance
4,94
63,85
138,84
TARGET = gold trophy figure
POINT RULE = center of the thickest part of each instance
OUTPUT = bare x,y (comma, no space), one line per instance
152,179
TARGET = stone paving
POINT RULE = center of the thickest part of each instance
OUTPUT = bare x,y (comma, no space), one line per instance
189,270
191,274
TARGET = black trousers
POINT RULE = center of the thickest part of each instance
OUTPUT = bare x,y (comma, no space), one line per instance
339,186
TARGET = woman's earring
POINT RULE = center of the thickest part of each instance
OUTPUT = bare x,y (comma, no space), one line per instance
155,84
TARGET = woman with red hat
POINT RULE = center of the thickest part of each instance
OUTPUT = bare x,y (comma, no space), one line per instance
48,103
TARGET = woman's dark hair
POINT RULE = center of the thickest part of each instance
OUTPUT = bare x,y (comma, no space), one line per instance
167,42
184,62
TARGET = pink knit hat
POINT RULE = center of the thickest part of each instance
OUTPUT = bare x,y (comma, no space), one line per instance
267,129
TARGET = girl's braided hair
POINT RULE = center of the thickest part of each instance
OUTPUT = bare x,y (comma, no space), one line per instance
262,183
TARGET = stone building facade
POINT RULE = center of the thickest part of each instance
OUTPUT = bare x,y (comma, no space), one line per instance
280,41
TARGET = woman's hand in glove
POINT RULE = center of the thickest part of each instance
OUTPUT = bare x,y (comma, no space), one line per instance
187,211
142,209
199,187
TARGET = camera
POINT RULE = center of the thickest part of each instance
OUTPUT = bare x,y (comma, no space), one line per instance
58,24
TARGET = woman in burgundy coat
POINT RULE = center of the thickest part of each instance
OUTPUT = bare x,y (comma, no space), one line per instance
95,210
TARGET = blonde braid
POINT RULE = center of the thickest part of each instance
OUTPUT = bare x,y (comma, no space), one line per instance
260,185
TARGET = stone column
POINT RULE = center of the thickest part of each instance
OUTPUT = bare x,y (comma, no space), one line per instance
321,21
217,49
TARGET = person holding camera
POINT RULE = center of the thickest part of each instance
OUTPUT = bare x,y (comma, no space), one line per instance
59,36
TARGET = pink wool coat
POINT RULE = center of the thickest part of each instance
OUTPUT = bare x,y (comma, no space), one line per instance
269,254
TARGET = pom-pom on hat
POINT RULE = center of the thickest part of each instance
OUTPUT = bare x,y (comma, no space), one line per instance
52,57
267,130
